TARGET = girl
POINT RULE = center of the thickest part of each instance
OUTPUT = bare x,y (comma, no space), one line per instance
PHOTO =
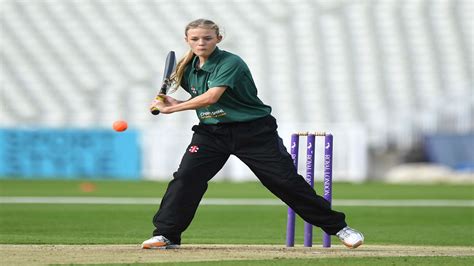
233,120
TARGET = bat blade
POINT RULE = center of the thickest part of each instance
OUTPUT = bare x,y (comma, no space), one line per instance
170,66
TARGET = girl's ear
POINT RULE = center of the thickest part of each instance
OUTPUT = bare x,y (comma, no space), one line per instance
219,38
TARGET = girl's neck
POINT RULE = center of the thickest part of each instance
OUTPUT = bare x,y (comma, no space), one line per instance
201,62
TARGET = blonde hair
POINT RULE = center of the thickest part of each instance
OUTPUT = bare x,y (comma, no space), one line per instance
177,76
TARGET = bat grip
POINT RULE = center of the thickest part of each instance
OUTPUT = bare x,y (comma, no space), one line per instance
164,87
155,110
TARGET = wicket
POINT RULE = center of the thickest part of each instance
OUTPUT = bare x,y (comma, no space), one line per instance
328,149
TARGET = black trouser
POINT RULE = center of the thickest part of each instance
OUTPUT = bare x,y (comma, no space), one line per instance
258,145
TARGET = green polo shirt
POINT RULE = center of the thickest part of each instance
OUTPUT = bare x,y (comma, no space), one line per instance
239,102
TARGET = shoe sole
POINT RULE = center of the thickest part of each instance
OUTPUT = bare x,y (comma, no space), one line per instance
353,246
159,245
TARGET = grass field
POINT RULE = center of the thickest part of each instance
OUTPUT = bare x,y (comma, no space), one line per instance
126,224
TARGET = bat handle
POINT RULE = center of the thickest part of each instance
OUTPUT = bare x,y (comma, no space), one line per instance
164,88
154,110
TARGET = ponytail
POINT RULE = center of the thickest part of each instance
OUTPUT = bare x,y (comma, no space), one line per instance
177,76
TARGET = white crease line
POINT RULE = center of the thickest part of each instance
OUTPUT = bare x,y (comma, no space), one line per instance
246,202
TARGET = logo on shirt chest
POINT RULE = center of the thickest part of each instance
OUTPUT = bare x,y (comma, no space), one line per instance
193,90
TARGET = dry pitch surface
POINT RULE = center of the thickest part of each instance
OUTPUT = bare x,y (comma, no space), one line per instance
92,254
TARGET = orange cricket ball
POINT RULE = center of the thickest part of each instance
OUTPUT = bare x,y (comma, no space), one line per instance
120,125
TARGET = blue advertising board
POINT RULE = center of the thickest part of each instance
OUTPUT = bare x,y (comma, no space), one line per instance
69,154
453,150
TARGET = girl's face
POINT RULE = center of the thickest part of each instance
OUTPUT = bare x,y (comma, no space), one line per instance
202,41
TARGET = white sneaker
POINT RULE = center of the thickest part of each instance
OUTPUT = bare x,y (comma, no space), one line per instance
351,238
158,242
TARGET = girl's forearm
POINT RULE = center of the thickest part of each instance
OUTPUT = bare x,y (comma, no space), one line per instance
203,100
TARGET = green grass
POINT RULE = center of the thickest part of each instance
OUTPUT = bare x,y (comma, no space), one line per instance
131,224
375,261
104,188
96,224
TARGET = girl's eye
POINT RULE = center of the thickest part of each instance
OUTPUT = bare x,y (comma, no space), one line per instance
205,38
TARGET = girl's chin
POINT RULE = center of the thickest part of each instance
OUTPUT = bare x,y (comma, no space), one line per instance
201,53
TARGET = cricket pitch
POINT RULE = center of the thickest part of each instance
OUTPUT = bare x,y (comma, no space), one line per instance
96,254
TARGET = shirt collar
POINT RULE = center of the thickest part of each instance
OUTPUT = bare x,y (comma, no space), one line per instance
211,62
